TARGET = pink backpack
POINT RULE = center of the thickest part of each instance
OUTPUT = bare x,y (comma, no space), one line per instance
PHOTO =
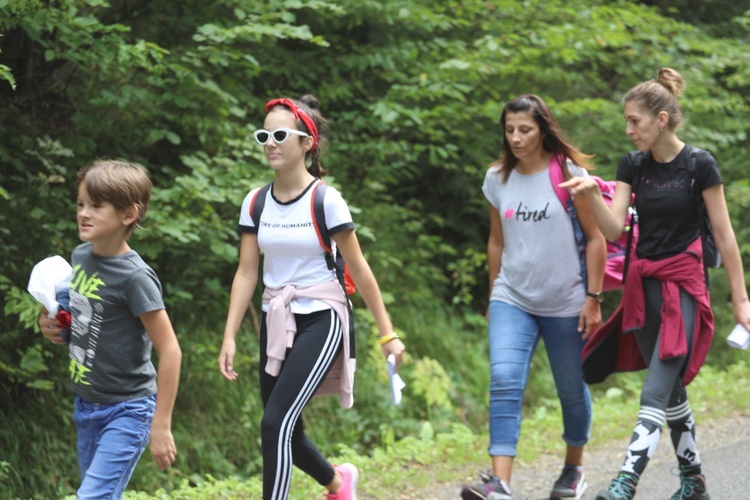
616,250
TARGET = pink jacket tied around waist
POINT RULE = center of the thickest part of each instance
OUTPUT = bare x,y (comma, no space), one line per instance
282,328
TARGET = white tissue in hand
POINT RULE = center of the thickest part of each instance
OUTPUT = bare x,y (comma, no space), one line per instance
739,338
397,384
47,278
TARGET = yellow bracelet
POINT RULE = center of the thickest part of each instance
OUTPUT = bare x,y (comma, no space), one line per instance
388,338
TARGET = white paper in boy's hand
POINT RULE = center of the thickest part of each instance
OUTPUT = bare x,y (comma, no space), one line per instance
739,338
47,278
396,383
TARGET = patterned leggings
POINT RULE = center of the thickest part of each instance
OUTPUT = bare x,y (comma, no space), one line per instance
663,397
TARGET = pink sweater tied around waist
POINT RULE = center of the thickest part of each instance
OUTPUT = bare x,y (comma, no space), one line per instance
282,328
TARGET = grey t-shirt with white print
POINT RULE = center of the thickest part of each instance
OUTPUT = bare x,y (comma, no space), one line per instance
540,271
110,350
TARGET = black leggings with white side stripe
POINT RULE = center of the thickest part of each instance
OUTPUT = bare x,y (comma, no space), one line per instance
316,345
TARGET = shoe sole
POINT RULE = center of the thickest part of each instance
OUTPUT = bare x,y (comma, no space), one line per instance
578,496
469,494
499,496
355,478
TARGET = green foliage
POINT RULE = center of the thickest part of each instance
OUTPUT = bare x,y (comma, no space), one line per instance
413,90
431,382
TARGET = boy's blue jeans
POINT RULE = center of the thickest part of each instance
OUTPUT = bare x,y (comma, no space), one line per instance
111,439
513,337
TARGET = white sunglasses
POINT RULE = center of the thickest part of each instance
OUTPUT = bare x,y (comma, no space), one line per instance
279,135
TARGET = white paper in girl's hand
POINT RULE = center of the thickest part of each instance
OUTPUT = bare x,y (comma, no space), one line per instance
739,338
47,278
396,383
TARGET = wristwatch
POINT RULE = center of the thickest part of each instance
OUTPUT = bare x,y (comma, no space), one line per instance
597,296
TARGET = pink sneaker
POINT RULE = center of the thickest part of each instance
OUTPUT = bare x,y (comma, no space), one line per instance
349,478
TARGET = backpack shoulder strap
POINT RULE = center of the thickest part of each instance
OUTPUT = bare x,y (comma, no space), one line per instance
557,176
692,167
695,183
317,208
639,158
700,207
335,262
257,204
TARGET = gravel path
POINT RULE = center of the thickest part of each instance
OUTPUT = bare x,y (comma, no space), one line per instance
724,444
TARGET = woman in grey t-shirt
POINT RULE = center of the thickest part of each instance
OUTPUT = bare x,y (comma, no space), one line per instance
537,290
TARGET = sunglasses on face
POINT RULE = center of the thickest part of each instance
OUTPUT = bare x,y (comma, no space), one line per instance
279,135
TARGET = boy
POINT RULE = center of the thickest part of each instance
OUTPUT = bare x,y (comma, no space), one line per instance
118,315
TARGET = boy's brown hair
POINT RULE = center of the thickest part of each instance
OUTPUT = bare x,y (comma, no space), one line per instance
121,183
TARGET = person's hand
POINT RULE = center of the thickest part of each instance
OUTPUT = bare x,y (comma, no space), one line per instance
226,358
163,448
50,327
581,185
395,347
742,314
590,318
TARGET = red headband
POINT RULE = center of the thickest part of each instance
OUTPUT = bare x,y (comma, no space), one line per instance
299,114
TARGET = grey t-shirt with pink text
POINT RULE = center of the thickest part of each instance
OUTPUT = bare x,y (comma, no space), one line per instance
540,272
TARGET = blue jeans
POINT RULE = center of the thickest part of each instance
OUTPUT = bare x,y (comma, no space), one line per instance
111,439
514,335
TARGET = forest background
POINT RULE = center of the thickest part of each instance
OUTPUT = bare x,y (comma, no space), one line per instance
413,90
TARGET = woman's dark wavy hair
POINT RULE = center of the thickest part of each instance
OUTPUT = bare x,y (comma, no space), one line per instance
553,141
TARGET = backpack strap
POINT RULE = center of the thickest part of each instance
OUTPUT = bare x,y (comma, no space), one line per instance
335,262
317,208
318,211
257,204
694,182
638,159
557,176
700,208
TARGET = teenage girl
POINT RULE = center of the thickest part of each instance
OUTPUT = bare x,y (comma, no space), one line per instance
304,323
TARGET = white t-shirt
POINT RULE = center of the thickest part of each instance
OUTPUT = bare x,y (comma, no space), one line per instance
287,238
540,271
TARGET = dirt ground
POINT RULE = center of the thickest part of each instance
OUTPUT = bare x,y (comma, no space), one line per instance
534,481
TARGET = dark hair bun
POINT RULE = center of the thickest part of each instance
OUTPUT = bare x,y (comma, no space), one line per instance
310,101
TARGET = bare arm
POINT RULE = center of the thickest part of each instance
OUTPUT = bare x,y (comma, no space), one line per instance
367,285
243,287
162,335
596,256
610,219
726,242
495,246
